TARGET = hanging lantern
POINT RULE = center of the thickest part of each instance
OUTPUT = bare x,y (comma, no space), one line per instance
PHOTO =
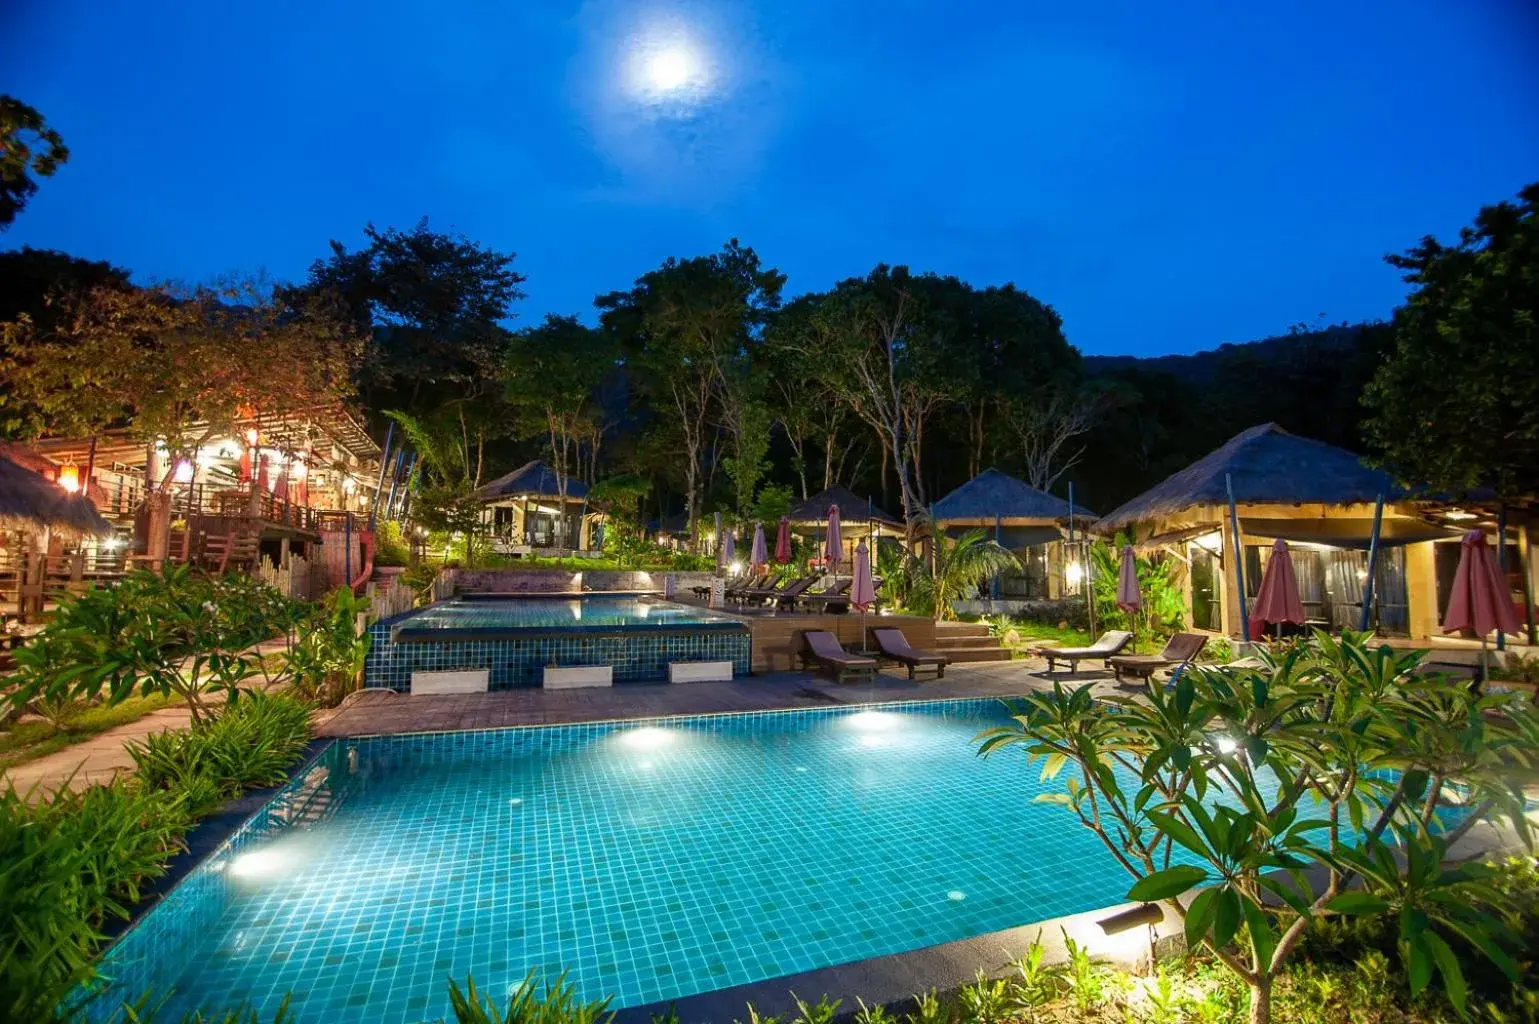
69,477
251,436
183,473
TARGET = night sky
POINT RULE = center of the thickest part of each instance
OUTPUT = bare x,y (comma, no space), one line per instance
1168,176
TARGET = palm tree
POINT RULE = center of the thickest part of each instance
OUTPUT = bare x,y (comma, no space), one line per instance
958,565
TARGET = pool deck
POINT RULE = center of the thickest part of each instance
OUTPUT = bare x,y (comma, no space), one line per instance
384,712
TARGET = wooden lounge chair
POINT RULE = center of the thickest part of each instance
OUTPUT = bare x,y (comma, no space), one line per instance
821,648
735,590
1110,642
791,592
1181,648
830,598
772,588
894,646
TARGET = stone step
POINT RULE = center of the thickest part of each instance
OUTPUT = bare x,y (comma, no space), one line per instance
961,654
946,642
961,629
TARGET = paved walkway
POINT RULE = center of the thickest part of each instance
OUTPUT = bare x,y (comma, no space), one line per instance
93,760
102,757
383,711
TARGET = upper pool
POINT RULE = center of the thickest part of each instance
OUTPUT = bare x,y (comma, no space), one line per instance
577,613
651,860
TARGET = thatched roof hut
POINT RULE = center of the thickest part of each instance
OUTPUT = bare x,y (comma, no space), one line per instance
993,494
1268,466
533,479
30,501
852,508
1017,514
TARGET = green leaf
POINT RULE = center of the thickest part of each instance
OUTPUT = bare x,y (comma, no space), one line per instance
1262,938
1226,917
1199,916
1448,967
1178,830
1418,966
1162,885
1358,903
1415,783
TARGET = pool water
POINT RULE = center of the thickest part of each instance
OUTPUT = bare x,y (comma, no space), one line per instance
556,613
650,861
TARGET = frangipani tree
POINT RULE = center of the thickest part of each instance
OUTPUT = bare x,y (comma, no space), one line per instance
1226,794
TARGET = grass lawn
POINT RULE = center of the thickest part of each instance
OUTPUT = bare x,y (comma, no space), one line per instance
27,741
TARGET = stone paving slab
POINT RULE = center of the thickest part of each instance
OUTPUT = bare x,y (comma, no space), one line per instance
376,712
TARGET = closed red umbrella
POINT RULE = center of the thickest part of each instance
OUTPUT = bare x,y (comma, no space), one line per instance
863,587
1129,598
1481,601
1278,600
833,549
783,542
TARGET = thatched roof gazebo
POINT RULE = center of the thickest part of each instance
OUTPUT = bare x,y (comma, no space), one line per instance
1022,514
852,509
1321,500
30,502
526,508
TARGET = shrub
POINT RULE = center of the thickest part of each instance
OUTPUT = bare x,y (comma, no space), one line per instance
556,1004
251,743
390,547
1364,756
170,632
66,865
326,661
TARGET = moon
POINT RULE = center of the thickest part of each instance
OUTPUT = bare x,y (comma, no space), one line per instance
669,67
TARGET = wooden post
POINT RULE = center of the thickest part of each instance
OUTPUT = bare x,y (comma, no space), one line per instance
1239,559
1501,563
1373,565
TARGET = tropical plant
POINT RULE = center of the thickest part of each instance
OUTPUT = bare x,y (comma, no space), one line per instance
169,632
326,661
390,547
929,586
1236,780
67,864
1164,605
252,743
146,1010
557,1003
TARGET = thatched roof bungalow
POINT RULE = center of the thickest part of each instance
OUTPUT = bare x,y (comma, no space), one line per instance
526,510
858,517
32,503
1321,500
1030,522
43,531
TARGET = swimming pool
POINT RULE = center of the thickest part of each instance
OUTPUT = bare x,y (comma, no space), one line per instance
651,860
514,639
489,618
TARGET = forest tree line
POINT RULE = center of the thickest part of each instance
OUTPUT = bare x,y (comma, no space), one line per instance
705,387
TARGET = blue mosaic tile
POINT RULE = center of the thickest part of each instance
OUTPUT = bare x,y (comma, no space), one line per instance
516,640
649,859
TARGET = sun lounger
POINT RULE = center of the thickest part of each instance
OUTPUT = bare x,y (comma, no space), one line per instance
822,648
894,646
830,598
1182,648
788,595
743,584
1111,642
768,589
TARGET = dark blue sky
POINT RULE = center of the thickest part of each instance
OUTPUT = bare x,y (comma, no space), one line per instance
1169,176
